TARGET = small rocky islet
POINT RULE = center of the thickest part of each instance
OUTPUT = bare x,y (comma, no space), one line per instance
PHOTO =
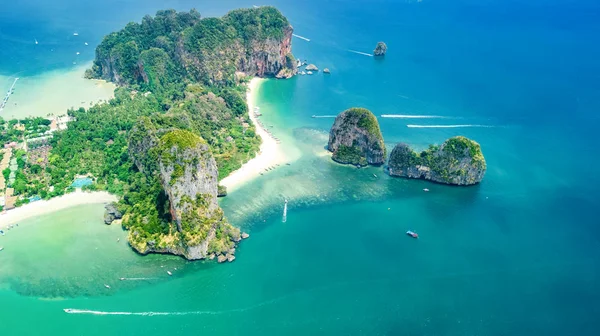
380,49
355,138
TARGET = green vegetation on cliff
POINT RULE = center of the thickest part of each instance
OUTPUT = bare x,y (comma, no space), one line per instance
171,49
458,160
355,138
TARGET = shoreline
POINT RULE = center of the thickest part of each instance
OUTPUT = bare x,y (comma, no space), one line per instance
269,154
43,207
56,91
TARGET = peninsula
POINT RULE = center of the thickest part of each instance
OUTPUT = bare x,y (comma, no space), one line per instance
178,124
458,161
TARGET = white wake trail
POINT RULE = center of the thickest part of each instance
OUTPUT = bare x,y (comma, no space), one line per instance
413,116
324,116
448,126
301,37
360,52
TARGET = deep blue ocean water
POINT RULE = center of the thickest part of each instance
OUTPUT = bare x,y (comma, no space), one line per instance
516,255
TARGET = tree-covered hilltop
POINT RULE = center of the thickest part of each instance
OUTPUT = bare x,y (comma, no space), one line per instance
181,81
355,138
172,49
458,161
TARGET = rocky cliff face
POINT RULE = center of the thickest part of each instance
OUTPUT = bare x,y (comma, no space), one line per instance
355,138
257,42
188,175
380,49
458,161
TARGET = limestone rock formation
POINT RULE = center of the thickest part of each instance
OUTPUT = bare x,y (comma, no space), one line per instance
355,138
253,41
326,70
458,161
188,175
111,213
380,49
312,67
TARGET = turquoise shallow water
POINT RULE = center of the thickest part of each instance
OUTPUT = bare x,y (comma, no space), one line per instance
516,255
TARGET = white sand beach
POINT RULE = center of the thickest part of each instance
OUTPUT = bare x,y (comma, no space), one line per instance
40,208
270,152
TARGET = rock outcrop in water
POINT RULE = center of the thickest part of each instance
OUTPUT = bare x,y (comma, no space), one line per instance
188,175
173,47
458,161
355,138
111,213
380,49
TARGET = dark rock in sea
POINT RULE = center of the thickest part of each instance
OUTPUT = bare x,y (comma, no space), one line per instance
355,138
230,257
312,67
221,258
111,213
458,161
380,49
245,235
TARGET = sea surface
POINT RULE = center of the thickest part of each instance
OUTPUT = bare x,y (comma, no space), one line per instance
518,254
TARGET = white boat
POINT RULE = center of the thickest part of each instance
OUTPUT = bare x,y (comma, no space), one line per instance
121,279
77,53
1,248
169,273
374,175
75,34
107,286
68,310
86,43
425,190
36,42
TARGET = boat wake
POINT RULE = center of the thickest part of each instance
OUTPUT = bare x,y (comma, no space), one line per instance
324,116
136,279
336,285
413,116
360,52
301,37
448,126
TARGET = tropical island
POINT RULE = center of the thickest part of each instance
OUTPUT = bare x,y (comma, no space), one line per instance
458,161
355,138
177,125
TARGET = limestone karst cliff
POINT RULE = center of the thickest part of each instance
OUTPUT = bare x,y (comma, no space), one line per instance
174,46
188,175
458,161
355,138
